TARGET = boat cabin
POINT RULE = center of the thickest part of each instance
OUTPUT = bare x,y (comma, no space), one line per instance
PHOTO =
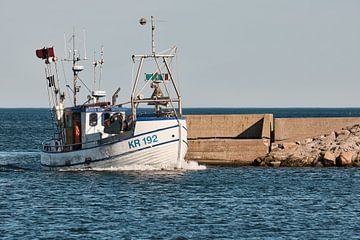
84,126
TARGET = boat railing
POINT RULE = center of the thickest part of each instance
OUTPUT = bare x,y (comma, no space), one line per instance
54,145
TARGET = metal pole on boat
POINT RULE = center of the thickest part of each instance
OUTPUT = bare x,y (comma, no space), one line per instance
133,107
174,84
74,62
179,145
153,35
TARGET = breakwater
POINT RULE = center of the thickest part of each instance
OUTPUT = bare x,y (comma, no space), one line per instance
240,139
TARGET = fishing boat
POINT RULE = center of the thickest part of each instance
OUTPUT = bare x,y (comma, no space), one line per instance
99,134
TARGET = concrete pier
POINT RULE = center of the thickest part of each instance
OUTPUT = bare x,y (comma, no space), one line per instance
228,139
239,139
293,129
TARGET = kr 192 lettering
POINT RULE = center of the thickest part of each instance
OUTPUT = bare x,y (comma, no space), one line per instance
142,142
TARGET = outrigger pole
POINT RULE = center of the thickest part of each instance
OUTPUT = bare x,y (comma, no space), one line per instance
135,96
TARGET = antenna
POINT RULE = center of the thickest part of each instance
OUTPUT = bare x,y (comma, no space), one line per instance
101,62
152,35
65,47
95,64
142,22
84,34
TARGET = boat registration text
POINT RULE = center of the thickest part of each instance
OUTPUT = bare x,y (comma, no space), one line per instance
142,141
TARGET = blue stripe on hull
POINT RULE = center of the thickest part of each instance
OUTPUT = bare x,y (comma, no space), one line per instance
120,140
139,118
108,158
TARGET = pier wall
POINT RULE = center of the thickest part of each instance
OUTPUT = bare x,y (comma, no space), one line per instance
292,129
238,139
228,139
240,126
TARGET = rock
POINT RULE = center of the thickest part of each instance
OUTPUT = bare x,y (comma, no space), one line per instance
340,148
257,161
342,135
275,164
275,147
356,133
357,158
355,128
263,164
280,156
295,162
356,164
345,158
332,136
329,159
318,164
289,145
324,148
354,156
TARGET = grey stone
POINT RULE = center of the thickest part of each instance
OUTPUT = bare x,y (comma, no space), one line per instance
275,164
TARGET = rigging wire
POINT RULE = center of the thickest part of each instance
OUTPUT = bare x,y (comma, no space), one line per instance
168,93
84,84
50,110
67,89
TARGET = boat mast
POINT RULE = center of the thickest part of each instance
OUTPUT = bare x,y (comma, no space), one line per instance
152,35
73,68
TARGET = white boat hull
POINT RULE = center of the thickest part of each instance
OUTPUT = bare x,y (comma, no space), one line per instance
158,143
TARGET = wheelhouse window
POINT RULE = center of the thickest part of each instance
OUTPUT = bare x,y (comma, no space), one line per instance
105,116
93,119
68,121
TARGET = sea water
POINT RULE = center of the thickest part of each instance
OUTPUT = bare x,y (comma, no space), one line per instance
213,203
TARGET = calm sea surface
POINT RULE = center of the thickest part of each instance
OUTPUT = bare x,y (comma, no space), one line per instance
216,203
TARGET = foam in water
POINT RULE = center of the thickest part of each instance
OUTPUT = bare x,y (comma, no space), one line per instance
16,154
192,165
186,165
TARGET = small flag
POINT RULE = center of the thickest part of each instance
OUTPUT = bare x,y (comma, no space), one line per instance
45,53
156,76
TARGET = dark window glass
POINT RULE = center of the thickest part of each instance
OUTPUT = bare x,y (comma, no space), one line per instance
68,121
93,119
104,116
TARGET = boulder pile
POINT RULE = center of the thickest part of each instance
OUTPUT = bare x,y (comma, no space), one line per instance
340,148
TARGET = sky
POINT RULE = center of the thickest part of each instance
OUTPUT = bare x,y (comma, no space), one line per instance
233,53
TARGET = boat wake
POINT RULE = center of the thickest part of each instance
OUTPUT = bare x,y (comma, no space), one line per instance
18,161
12,168
192,165
185,166
17,154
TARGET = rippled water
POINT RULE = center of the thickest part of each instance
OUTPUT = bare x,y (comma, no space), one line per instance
216,203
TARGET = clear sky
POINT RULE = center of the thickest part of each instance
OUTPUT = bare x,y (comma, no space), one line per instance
233,53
